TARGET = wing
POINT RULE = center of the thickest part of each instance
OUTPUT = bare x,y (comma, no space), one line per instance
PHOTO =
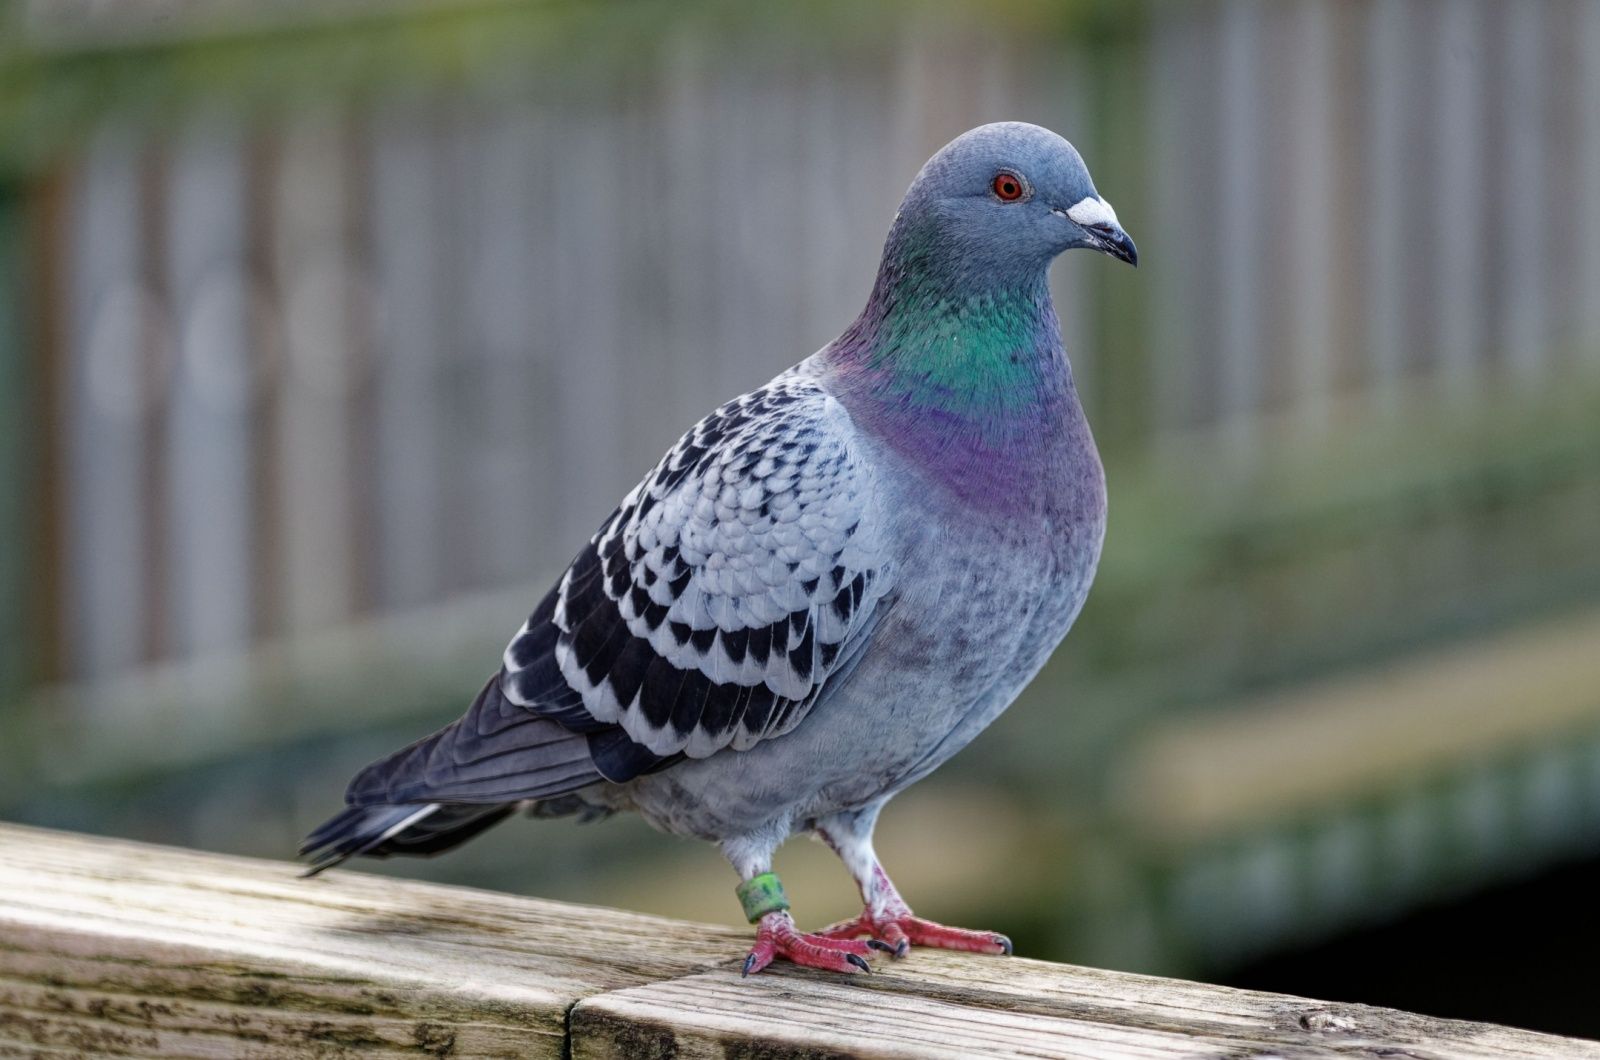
712,608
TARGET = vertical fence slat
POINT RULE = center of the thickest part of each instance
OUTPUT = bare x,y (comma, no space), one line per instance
109,319
1457,193
740,223
1178,169
1522,213
405,224
1587,90
1568,185
592,446
688,288
1309,176
511,481
1240,250
16,424
313,272
210,538
1385,225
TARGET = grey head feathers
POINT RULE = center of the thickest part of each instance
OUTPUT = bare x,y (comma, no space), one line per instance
957,211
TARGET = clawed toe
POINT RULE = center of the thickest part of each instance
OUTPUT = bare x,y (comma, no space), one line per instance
895,935
777,937
938,936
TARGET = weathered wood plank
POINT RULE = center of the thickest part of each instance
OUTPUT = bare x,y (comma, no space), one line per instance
116,948
121,948
951,1005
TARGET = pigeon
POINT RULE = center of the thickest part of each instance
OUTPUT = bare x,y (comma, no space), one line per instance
824,590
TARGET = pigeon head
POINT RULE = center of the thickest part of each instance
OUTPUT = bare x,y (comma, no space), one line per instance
998,203
957,355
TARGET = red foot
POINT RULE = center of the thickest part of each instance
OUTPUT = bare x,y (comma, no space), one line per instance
776,936
900,932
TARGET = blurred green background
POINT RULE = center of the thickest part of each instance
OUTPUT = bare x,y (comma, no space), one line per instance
328,331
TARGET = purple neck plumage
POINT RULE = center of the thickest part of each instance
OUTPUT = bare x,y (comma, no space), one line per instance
963,374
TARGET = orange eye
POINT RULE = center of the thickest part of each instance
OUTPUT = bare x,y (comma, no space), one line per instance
1007,187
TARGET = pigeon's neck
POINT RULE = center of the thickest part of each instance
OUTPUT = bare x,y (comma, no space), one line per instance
959,370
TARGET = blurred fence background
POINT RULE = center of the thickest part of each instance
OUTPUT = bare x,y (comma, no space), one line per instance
327,333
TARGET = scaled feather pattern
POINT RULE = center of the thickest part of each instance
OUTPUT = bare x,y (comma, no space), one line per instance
712,607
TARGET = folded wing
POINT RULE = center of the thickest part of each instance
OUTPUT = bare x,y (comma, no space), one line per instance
714,606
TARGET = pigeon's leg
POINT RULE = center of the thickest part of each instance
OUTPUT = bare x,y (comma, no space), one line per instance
886,916
768,908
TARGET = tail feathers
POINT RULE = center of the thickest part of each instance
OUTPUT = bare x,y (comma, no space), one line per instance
407,828
446,788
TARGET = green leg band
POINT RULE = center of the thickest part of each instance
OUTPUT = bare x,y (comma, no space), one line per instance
761,895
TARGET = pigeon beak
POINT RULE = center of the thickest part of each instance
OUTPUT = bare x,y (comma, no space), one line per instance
1111,239
1101,229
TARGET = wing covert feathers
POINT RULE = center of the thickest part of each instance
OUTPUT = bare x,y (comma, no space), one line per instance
711,607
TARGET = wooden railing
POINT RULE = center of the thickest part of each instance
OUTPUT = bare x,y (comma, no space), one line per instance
115,948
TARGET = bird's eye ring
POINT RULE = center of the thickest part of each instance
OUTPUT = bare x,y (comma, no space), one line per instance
1007,187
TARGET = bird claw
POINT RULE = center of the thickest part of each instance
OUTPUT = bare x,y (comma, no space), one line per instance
776,936
896,934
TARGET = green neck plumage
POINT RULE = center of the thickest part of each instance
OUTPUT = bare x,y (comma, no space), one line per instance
981,349
978,352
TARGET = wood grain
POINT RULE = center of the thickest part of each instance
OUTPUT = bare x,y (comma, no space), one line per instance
120,948
115,948
949,1005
